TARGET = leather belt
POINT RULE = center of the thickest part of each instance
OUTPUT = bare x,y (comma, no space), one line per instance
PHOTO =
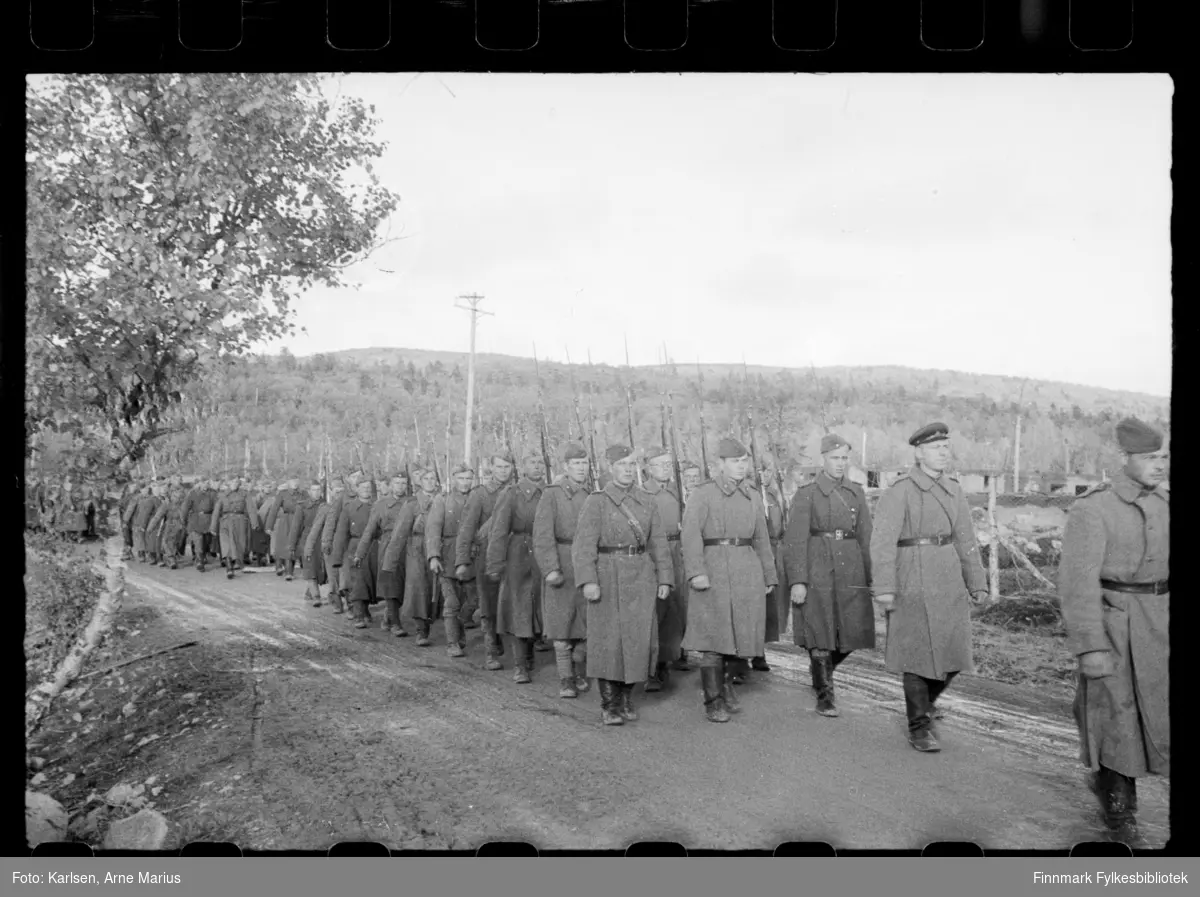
934,540
737,543
833,533
1138,588
620,549
673,537
562,541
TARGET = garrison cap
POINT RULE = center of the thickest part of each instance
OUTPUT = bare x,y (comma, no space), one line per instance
831,441
615,453
462,467
502,455
689,465
532,455
657,452
1137,438
929,433
573,451
731,448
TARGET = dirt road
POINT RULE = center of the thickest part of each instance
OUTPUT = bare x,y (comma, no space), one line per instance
366,736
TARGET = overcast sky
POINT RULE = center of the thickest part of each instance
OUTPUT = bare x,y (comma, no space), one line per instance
1000,224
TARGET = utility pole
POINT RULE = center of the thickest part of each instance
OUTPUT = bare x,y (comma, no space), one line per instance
472,300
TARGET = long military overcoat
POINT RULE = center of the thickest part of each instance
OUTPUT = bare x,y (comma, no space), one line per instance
234,516
441,538
171,517
198,508
828,549
929,626
563,606
351,525
672,614
622,627
777,601
730,616
510,554
279,521
408,536
1120,533
389,581
304,539
470,549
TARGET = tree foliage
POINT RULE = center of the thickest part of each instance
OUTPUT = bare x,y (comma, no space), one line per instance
170,220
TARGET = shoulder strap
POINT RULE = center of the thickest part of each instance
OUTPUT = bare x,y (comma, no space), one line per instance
638,532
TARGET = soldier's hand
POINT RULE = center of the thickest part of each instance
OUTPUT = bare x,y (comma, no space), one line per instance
494,577
700,583
357,563
307,559
1096,664
436,566
799,594
555,578
885,602
591,591
461,570
664,592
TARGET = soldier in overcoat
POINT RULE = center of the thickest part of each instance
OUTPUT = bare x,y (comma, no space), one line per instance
563,606
234,516
139,516
470,551
730,567
279,522
1114,582
407,550
775,621
197,512
827,551
672,613
925,570
173,520
623,565
441,536
390,559
317,569
340,576
510,561
351,527
303,520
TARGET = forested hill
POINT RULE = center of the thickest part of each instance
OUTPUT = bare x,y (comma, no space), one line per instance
394,401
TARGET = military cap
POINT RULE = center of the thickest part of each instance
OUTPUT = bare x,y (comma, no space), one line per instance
615,453
689,465
503,455
831,441
657,453
573,451
929,433
1137,438
462,467
731,448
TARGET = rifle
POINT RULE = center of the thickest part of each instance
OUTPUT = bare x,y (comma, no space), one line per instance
762,487
629,414
590,444
542,413
449,420
675,453
703,432
783,502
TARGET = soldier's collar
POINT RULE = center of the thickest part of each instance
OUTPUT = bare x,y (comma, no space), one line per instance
528,486
620,493
926,482
729,486
493,487
827,484
1130,490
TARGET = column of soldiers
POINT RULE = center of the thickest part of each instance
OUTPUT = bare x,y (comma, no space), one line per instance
625,581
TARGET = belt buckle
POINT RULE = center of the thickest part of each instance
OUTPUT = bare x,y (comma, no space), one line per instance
839,534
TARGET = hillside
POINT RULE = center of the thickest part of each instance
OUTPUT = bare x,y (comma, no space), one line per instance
384,404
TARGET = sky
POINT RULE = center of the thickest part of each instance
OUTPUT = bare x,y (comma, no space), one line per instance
1002,224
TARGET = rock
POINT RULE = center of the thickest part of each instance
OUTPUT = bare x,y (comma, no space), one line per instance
78,717
144,830
191,697
68,779
45,819
35,763
151,780
129,709
38,779
149,738
119,795
156,791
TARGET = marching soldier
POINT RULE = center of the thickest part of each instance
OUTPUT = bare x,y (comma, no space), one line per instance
303,520
672,613
692,477
776,601
279,523
143,510
351,527
441,536
389,583
728,561
170,515
125,510
234,516
197,512
471,548
1114,583
510,562
563,605
407,549
925,568
617,527
340,578
317,568
828,556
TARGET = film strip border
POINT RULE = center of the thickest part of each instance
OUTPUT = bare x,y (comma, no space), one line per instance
816,849
777,33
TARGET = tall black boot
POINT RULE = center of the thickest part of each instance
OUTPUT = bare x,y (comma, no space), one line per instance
610,698
732,703
916,700
290,569
521,666
654,683
821,665
760,665
712,680
1118,797
736,671
627,710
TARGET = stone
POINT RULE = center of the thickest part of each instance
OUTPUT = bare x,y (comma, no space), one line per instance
118,795
144,830
45,819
